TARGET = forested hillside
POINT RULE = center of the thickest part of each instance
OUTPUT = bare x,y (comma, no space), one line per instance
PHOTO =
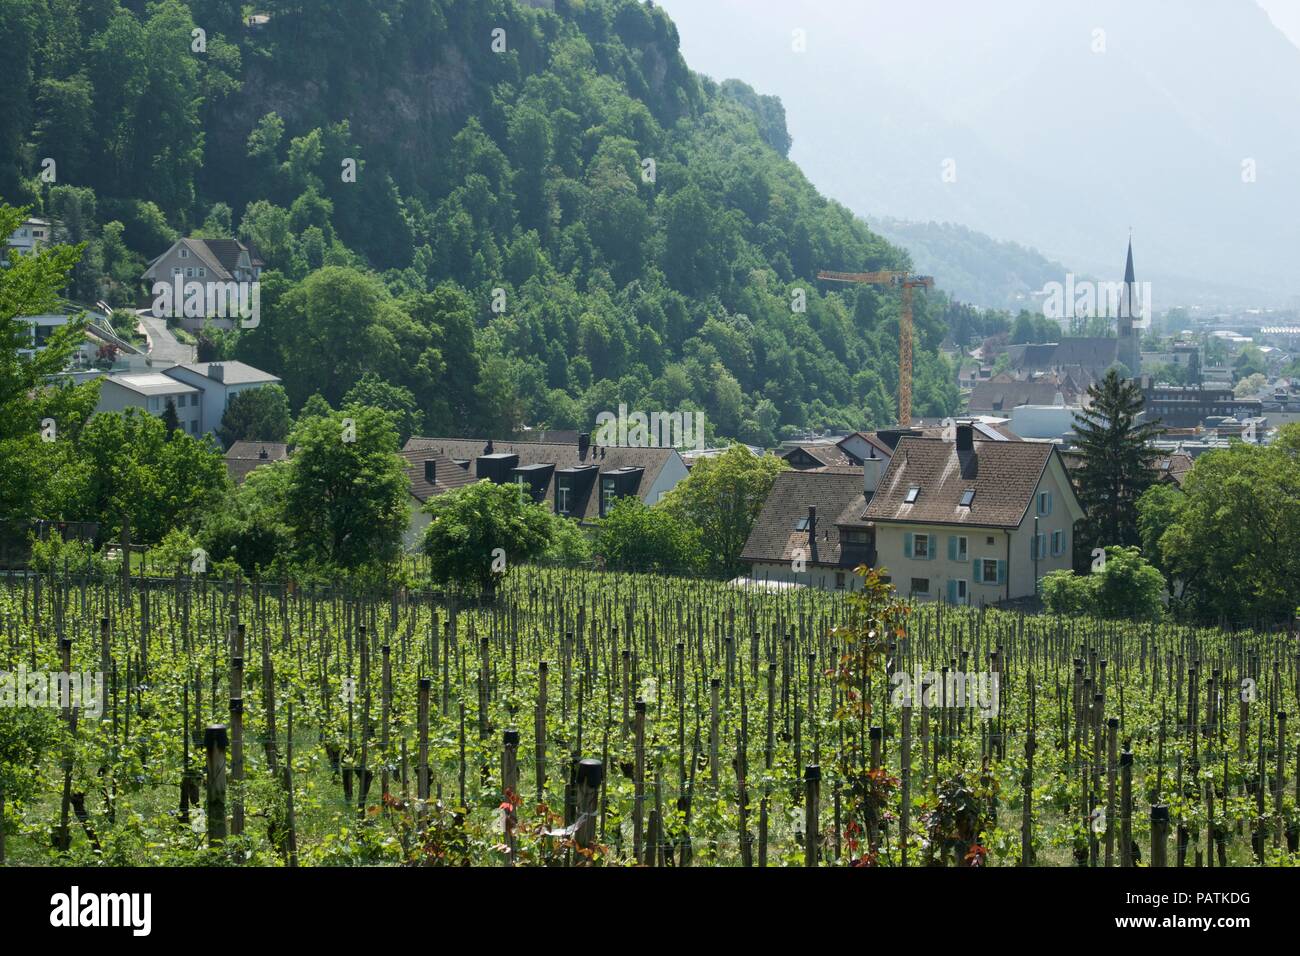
550,214
975,268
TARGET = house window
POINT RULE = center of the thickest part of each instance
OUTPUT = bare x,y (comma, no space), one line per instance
178,271
194,400
967,497
921,546
184,253
839,580
153,404
801,524
563,494
921,586
911,495
960,591
989,571
1044,502
989,539
202,272
1058,542
961,548
607,493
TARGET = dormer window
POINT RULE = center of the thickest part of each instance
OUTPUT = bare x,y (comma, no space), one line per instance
967,497
911,495
801,524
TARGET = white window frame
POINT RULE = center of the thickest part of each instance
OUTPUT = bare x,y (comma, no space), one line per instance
984,575
183,252
963,548
916,551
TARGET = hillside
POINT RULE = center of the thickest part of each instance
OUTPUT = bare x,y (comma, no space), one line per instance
973,267
551,213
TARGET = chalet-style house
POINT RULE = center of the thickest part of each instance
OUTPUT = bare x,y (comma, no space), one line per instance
578,479
973,522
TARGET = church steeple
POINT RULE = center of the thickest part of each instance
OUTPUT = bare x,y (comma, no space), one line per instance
1130,349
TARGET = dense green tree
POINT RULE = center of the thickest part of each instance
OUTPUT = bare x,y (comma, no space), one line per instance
1231,539
1117,462
347,494
634,536
398,401
477,532
721,497
256,414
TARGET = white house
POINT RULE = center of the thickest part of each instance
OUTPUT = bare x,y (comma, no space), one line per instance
973,522
218,383
31,236
151,392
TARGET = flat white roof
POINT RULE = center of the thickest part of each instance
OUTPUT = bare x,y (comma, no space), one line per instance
151,383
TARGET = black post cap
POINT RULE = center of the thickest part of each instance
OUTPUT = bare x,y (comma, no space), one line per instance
215,736
1159,813
813,773
590,772
511,738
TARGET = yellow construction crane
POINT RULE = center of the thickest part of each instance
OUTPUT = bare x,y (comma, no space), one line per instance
906,281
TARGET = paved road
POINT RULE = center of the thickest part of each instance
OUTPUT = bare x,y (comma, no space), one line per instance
163,346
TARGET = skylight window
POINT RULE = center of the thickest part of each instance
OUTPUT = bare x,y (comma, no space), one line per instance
967,497
911,495
801,524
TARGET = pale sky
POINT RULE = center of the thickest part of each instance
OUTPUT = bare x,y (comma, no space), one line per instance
1286,15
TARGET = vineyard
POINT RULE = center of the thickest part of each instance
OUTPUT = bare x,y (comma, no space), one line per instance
598,719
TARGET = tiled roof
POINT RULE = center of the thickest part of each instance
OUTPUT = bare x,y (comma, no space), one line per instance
244,456
823,454
1003,475
839,499
447,474
1004,396
235,373
562,455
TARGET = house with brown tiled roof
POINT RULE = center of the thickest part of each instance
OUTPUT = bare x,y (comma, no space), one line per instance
811,530
579,479
244,456
815,455
973,522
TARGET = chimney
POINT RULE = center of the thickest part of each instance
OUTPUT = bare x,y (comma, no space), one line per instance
261,453
872,469
965,438
430,471
584,442
812,532
217,372
487,449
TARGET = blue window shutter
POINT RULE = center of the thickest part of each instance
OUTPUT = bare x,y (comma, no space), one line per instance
952,547
1049,502
979,571
907,544
931,542
1002,572
952,592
